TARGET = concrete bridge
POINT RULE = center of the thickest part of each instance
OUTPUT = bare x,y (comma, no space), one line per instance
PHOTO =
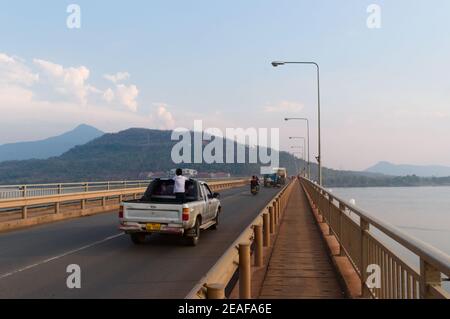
299,241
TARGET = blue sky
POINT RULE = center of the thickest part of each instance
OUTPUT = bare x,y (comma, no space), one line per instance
385,92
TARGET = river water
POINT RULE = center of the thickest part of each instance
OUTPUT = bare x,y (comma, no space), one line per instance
423,212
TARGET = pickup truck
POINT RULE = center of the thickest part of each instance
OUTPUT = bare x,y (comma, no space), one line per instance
158,211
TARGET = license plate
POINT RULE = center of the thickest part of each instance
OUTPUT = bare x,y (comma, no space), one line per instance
153,227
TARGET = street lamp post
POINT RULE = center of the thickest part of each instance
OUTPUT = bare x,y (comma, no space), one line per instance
296,165
319,157
307,134
302,155
304,150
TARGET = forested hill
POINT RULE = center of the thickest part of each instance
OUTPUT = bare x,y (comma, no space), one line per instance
127,154
123,155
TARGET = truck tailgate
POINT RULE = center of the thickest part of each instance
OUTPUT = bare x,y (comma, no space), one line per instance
153,213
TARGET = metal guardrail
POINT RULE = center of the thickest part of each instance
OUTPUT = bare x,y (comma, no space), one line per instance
357,241
32,190
52,204
238,255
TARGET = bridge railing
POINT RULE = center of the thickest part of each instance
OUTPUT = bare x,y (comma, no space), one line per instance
355,230
31,210
33,190
238,255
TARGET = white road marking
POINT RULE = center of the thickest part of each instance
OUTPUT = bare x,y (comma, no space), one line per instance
59,256
83,248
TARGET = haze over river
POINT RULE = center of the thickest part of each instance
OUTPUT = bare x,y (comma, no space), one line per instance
423,212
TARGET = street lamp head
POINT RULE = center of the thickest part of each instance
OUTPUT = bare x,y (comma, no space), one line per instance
286,119
277,63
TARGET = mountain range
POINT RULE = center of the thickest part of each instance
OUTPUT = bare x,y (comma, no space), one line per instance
132,153
405,170
122,155
49,147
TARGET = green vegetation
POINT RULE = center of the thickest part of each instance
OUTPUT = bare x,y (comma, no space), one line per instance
125,155
117,156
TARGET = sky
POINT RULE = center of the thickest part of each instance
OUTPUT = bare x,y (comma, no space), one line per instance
385,92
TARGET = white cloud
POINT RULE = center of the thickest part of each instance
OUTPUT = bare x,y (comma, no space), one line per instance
109,95
118,77
13,71
127,96
60,83
284,107
69,81
163,118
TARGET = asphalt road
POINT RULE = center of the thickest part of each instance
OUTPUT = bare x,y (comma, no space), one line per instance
33,261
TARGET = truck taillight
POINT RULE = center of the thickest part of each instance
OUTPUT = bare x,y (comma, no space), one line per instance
186,212
121,211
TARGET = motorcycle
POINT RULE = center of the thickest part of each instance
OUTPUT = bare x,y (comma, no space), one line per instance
254,189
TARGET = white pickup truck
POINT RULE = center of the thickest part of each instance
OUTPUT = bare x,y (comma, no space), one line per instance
158,211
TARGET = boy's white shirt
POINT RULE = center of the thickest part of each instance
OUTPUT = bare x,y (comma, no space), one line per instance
179,186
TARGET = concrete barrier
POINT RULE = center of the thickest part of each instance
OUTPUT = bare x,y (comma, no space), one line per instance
18,212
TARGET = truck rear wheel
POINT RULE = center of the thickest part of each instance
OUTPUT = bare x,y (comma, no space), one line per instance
193,240
138,238
216,220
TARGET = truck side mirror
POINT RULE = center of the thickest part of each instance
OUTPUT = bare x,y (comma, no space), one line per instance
216,195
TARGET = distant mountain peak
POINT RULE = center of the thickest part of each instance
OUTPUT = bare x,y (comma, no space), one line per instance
51,146
84,126
388,168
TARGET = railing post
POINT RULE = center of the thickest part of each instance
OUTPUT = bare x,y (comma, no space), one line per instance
429,276
24,212
24,190
86,187
272,219
59,188
103,201
266,226
215,291
281,203
275,213
330,202
341,218
108,186
244,271
364,227
258,246
278,210
57,208
83,204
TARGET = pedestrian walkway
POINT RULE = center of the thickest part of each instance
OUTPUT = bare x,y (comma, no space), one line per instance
300,266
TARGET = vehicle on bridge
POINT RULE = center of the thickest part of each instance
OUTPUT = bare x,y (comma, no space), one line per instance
159,211
282,175
275,179
254,185
269,180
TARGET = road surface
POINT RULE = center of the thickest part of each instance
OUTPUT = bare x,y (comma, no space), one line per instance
33,261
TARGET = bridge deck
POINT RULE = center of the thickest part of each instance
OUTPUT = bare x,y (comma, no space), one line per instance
300,266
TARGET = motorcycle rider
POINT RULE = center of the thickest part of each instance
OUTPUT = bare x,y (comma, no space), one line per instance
254,183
